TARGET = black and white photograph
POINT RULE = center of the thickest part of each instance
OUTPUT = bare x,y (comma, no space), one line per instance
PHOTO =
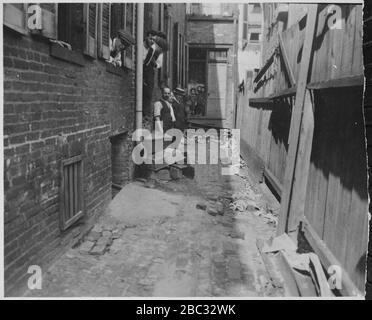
168,150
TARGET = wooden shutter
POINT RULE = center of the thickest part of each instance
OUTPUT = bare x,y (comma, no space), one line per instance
129,27
104,30
49,13
71,197
90,20
14,17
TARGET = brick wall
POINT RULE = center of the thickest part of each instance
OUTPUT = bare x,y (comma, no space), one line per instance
210,32
53,110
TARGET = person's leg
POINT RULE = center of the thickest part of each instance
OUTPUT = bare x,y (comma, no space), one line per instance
148,86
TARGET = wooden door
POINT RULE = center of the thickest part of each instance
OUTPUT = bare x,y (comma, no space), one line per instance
216,102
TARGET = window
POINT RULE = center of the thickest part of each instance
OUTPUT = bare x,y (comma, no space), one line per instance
71,25
256,8
122,18
72,208
217,55
254,37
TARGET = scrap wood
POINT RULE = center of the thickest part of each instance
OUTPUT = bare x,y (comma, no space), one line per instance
320,276
276,281
282,242
295,267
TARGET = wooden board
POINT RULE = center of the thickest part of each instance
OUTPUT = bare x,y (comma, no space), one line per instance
296,119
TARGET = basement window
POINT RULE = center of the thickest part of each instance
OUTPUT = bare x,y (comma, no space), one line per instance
71,195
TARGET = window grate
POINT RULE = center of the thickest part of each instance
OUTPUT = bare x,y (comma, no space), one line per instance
71,192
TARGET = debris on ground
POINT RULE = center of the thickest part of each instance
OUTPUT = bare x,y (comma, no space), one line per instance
212,211
201,206
100,238
282,242
237,234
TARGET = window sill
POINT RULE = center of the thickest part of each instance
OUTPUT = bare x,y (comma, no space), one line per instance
65,54
119,71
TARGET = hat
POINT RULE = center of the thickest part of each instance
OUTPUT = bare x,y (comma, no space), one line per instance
161,42
161,35
179,91
126,37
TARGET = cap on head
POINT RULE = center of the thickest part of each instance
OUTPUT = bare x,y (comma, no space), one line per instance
179,91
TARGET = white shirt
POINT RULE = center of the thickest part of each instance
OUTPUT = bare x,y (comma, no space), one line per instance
158,106
159,60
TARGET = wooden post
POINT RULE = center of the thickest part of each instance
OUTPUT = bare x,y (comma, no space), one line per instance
294,133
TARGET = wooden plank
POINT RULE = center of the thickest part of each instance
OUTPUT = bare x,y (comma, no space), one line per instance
332,233
297,119
357,67
257,101
348,288
357,227
348,42
273,181
302,168
352,81
264,68
346,176
336,47
305,285
321,278
269,266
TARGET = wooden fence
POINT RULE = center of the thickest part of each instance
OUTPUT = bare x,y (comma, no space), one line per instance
304,121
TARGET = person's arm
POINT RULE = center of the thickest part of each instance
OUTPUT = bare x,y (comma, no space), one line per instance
159,61
158,125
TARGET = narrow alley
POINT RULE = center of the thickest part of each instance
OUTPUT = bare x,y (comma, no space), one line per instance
99,96
165,244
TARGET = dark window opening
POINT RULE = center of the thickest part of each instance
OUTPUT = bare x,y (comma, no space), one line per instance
71,25
255,36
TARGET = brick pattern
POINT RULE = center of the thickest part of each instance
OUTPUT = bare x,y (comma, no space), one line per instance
209,32
54,110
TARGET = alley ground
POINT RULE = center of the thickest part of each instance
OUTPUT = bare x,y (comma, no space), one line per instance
165,246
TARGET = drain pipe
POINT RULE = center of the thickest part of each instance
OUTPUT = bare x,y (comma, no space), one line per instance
139,64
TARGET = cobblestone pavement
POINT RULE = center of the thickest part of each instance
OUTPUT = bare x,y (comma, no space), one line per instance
166,247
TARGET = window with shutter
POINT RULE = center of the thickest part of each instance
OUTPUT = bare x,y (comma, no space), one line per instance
104,30
14,16
71,197
90,19
123,18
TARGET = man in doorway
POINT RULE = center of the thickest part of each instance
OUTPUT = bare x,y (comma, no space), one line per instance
163,112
